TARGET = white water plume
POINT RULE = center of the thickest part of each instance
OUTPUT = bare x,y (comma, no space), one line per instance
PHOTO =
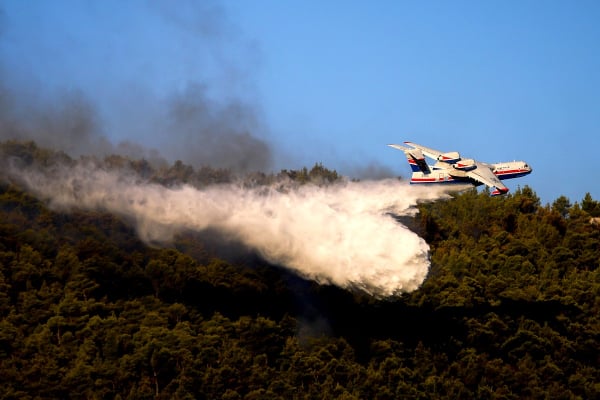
341,234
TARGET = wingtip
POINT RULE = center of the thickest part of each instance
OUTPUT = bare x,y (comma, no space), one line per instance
499,191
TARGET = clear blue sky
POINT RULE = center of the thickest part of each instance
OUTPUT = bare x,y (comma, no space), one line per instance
336,81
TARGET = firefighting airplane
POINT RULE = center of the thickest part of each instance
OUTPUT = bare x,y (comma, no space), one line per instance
451,168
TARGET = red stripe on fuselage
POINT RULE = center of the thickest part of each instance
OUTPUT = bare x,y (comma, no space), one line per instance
424,180
431,180
510,171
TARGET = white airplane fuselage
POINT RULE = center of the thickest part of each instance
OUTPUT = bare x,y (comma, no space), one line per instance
442,172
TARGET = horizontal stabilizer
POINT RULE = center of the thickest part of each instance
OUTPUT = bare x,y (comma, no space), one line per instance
399,147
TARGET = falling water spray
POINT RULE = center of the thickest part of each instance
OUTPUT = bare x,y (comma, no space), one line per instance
343,233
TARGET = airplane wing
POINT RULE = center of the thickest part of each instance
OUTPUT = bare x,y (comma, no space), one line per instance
483,173
429,152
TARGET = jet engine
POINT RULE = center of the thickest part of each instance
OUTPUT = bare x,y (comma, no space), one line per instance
450,157
465,165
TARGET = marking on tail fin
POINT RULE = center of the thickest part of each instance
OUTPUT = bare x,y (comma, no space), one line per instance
415,158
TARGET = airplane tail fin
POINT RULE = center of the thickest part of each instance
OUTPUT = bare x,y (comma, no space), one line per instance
415,158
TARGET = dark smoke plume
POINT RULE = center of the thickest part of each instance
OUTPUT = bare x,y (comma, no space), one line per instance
185,124
213,134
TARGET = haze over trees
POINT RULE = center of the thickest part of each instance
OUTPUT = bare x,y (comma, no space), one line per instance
509,310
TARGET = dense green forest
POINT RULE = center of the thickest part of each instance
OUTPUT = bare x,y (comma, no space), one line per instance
509,310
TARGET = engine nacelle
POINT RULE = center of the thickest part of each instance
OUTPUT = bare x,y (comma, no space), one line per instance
465,165
450,157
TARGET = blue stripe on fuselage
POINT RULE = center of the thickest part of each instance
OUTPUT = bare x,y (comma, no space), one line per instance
512,175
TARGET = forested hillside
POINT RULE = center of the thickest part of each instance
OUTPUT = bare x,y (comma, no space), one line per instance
509,310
